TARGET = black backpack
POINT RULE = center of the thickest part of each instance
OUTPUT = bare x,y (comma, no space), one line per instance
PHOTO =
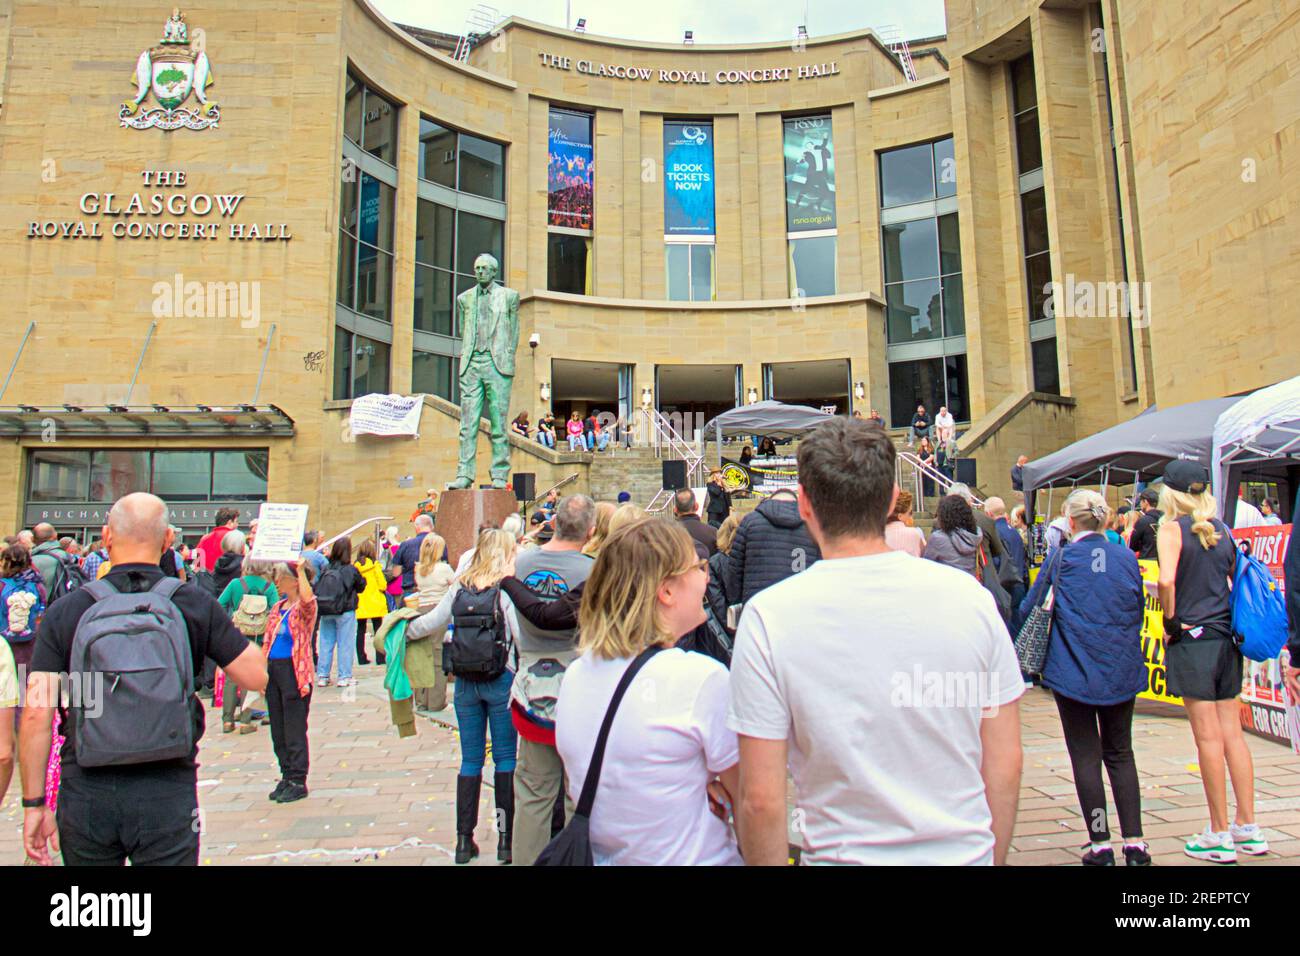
479,646
332,592
68,576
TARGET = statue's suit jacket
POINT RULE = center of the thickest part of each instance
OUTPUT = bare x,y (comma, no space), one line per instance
503,306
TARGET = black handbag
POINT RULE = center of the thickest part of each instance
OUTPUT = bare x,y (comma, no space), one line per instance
572,846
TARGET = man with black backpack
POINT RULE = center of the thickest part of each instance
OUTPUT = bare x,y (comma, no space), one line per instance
128,647
59,570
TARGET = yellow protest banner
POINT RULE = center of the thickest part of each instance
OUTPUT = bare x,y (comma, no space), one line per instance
1153,641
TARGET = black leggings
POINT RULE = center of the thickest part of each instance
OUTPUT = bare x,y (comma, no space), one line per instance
1096,735
361,640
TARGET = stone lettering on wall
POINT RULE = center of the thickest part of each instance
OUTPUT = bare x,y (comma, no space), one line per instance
618,71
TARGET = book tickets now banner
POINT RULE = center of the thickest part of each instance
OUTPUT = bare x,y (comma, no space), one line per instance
569,172
1265,707
688,179
809,174
1265,704
376,414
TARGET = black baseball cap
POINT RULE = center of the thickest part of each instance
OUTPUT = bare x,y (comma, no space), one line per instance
1187,476
538,517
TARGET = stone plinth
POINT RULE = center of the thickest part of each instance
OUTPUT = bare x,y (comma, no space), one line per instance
461,513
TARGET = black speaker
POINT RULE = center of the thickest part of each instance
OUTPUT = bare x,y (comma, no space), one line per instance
525,485
965,471
674,475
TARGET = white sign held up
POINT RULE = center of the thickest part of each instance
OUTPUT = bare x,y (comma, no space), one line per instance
279,532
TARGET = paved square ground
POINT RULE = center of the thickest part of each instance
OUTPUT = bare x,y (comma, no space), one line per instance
376,799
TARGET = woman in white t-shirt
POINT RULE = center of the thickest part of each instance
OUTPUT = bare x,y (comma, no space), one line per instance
670,763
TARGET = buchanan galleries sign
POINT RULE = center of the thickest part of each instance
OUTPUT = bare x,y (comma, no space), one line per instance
158,215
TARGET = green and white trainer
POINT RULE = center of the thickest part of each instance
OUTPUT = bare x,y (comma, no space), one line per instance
1249,839
1215,847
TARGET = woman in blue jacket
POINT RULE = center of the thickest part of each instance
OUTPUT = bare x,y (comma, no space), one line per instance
1095,670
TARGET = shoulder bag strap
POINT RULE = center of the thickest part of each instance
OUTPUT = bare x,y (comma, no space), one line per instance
588,796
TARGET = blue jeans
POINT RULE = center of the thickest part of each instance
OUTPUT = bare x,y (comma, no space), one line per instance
480,705
546,438
337,630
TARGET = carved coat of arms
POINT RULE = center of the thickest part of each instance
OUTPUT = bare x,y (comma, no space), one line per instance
172,71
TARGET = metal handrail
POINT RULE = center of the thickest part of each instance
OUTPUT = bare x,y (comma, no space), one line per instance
348,533
661,429
920,470
556,487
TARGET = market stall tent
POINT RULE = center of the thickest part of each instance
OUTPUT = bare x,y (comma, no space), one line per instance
1259,436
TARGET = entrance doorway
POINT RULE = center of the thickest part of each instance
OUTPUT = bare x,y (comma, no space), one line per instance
694,394
818,385
583,387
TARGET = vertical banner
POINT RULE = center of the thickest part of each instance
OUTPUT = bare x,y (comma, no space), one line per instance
688,179
368,221
569,173
1264,695
1153,640
809,174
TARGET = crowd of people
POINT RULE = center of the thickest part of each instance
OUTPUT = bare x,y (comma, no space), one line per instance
582,434
784,643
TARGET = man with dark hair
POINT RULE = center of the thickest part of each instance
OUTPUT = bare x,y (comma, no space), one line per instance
1143,539
835,677
210,543
686,511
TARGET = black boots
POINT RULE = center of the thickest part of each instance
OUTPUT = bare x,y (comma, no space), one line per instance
467,789
505,787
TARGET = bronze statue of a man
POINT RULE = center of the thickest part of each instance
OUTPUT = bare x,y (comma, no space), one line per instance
489,326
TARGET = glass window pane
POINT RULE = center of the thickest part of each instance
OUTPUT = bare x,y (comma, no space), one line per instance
1023,93
912,309
347,280
482,167
434,302
342,363
350,177
374,282
566,263
911,250
912,384
1029,147
239,475
813,264
1047,375
1038,279
958,400
59,476
433,234
380,132
463,284
375,222
437,161
945,168
352,110
906,175
182,475
433,375
370,367
949,244
1033,208
677,261
954,309
116,473
476,235
701,272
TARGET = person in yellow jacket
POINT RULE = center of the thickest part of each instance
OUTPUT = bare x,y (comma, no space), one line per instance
372,605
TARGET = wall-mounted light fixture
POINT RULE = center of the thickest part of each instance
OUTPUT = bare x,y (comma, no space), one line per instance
751,396
859,390
647,396
689,37
545,391
582,25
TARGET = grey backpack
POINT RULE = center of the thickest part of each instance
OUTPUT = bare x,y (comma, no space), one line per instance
139,646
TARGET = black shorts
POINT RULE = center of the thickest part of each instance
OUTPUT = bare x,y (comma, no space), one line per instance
1204,668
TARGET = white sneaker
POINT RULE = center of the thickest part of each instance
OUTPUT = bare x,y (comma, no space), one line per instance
347,682
1249,839
1215,847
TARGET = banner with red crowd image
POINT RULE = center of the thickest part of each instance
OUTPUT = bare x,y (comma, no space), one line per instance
1266,707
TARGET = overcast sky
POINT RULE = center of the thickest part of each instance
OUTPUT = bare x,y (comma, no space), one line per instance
713,21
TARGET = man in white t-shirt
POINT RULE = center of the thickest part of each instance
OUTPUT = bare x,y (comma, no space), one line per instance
901,729
1248,516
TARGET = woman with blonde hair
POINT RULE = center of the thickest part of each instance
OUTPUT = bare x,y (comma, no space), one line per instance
901,533
625,515
604,511
1095,670
670,762
1202,664
1130,521
433,579
479,608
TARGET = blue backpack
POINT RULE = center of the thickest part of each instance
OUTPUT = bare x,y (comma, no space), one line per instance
1259,623
18,621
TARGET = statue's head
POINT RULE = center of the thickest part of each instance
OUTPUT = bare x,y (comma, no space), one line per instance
486,268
